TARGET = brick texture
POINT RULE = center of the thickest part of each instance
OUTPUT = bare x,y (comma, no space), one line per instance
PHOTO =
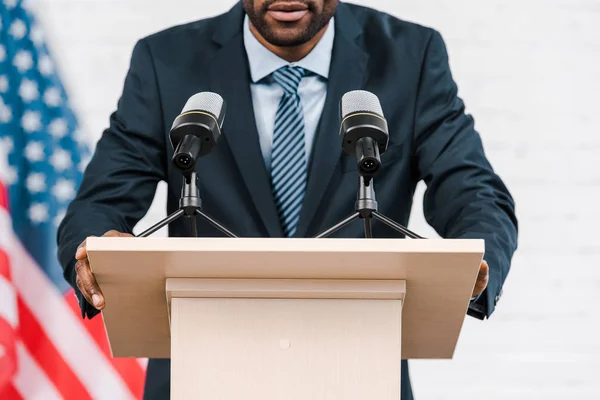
528,71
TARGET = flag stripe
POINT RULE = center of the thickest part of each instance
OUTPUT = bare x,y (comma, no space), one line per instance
4,265
47,357
129,369
8,309
30,381
3,197
143,363
72,341
9,392
8,354
8,316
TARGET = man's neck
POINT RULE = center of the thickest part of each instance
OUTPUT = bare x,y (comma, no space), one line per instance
290,53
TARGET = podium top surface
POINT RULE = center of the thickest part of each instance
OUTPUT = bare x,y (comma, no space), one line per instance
440,275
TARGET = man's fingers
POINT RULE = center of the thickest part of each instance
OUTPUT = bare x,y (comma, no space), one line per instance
81,253
482,279
86,282
484,271
114,233
483,275
481,285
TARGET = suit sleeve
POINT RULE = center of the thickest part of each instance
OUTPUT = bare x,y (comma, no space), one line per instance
120,181
464,196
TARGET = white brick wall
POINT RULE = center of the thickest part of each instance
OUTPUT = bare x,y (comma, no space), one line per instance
528,71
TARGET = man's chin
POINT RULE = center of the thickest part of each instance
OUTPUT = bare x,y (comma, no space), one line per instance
287,37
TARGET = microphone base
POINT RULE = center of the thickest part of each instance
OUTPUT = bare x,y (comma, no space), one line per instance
190,207
366,208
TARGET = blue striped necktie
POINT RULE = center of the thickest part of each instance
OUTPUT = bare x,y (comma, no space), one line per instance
288,158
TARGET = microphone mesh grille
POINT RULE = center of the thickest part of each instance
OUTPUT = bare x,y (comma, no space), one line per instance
207,102
360,100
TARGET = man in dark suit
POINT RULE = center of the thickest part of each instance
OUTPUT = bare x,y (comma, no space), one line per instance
278,170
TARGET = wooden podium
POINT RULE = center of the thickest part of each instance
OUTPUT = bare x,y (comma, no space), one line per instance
284,319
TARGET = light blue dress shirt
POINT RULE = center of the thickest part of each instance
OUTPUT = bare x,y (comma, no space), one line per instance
266,93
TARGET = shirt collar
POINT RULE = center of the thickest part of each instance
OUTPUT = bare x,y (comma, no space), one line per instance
263,62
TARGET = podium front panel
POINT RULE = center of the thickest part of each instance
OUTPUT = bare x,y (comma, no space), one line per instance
294,349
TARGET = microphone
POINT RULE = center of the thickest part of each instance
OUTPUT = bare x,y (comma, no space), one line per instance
196,130
364,130
194,134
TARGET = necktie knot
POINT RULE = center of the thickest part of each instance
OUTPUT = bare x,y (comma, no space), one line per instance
289,78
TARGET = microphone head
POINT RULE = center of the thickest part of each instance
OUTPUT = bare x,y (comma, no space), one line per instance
364,131
196,130
358,101
207,102
362,117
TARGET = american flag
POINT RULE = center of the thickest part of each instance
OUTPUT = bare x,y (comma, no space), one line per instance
46,350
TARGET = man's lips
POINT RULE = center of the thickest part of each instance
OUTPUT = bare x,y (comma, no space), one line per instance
288,12
287,16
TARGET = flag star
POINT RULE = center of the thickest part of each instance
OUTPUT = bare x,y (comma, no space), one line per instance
18,29
61,160
36,182
34,151
31,121
5,113
52,97
60,215
3,83
8,174
64,190
6,145
58,128
37,35
85,160
23,61
79,136
28,90
38,213
45,65
2,53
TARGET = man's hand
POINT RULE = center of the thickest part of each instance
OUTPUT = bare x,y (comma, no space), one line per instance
482,279
86,282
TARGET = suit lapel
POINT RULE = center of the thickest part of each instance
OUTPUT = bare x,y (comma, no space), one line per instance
229,76
347,72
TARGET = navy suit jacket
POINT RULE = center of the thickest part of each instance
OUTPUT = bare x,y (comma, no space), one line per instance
431,139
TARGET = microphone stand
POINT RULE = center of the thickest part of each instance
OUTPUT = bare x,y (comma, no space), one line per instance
366,209
190,207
